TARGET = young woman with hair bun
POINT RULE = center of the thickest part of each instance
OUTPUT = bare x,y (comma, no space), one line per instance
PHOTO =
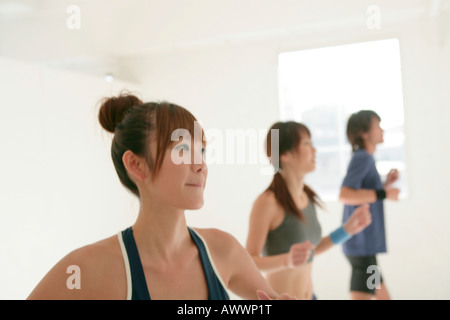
159,256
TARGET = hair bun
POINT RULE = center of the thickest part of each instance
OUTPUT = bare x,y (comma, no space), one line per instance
113,110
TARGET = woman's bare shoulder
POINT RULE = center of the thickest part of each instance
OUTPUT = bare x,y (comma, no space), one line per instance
266,206
216,237
223,248
86,273
266,199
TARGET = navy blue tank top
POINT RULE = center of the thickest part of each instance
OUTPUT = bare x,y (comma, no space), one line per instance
136,282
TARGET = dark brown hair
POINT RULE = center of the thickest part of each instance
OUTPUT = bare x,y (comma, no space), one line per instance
135,123
357,124
290,134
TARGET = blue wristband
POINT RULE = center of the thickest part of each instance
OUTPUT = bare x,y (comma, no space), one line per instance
339,235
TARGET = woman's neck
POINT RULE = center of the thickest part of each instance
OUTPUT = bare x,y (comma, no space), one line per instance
370,147
295,182
160,231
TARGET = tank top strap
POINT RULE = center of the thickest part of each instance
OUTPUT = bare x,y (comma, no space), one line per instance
139,290
216,288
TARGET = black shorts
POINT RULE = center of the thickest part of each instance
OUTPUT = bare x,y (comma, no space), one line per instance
366,274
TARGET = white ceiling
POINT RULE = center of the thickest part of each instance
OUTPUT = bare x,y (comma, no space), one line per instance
111,30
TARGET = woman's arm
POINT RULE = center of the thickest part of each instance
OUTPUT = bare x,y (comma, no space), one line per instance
324,245
237,269
391,178
358,221
244,278
356,197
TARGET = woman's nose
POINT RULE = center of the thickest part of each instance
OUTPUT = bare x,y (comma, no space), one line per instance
199,162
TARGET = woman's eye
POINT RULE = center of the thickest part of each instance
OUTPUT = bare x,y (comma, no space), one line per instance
183,147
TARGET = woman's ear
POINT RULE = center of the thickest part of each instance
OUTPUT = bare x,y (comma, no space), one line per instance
364,135
136,166
285,157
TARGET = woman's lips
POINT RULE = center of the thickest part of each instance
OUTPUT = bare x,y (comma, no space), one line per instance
195,185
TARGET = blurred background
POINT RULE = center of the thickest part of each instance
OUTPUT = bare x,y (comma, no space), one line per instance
239,66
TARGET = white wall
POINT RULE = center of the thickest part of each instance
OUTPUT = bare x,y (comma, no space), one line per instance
59,190
58,187
235,86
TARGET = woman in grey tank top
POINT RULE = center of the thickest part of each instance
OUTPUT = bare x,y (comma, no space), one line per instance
284,232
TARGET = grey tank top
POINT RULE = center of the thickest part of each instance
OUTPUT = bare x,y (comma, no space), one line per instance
292,230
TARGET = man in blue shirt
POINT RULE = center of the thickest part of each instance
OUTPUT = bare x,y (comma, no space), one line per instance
361,185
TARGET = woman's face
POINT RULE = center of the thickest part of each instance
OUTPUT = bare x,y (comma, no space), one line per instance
181,184
375,133
307,154
304,157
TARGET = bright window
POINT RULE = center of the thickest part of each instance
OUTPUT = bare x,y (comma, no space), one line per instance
323,87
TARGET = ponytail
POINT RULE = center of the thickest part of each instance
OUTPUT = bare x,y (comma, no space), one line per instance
279,188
